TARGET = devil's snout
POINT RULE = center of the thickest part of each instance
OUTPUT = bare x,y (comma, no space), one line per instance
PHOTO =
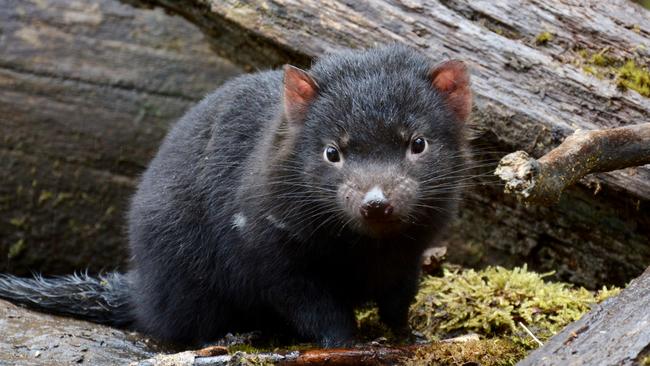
375,205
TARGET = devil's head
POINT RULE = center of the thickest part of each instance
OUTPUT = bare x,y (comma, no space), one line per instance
374,139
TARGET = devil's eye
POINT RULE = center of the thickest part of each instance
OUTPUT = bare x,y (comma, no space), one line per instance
418,145
331,154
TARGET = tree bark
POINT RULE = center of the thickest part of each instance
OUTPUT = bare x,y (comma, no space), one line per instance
616,332
529,96
87,91
32,338
584,152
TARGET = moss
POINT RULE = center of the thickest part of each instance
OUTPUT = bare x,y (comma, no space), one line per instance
244,347
491,303
269,345
646,361
644,3
44,197
602,59
16,248
246,359
370,327
605,293
625,72
485,352
635,77
544,38
18,222
62,197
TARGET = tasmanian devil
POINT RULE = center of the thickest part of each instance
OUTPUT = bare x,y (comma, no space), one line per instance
285,199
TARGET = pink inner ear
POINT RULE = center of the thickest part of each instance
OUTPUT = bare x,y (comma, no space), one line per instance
452,79
299,90
445,81
304,90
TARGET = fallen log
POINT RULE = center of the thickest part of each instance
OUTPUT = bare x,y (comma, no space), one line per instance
533,66
87,91
615,332
583,152
32,338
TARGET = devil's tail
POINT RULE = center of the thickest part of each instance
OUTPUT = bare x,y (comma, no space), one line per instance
104,299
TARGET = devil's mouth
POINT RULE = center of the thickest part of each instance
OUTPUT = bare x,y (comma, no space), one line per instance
381,221
382,225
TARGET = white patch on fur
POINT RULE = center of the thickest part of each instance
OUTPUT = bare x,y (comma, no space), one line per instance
238,220
278,224
375,194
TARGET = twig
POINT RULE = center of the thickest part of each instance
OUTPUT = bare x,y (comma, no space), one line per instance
531,334
584,152
333,357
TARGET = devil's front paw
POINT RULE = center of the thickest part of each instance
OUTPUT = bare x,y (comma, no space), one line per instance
340,340
403,334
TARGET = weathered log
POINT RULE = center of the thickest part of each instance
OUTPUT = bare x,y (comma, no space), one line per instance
584,152
87,91
31,338
616,332
529,96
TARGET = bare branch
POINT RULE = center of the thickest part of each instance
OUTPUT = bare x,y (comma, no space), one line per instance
584,152
342,357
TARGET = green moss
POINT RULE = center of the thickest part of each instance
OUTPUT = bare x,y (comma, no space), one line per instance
644,3
491,303
602,59
246,359
16,248
272,345
626,73
544,38
646,361
635,77
370,327
485,352
62,197
246,348
110,211
44,197
589,70
18,222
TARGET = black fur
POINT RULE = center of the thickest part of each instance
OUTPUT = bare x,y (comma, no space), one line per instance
239,223
104,299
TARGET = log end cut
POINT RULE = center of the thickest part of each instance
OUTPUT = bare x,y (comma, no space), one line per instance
519,172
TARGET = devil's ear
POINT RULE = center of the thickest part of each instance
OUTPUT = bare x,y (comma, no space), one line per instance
299,91
451,79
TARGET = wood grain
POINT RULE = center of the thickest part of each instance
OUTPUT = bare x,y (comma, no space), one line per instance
87,91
